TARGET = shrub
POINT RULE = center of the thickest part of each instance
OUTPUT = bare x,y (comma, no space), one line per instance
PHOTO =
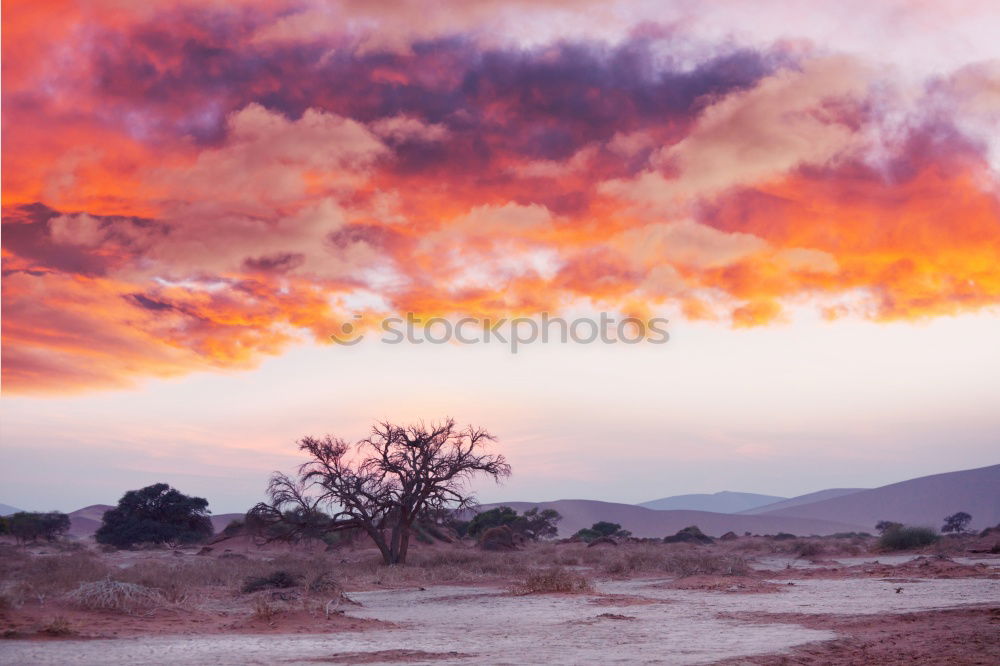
234,528
697,564
904,538
276,580
32,526
883,526
155,514
57,626
118,597
808,549
601,529
552,580
690,534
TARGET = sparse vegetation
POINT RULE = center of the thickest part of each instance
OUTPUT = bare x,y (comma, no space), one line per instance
555,579
57,627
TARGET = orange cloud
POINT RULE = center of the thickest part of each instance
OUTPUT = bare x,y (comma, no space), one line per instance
196,189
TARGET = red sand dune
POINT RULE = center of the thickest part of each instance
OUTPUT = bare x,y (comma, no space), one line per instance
644,522
922,501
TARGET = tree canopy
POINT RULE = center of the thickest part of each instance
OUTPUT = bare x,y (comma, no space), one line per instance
534,523
32,526
956,522
155,514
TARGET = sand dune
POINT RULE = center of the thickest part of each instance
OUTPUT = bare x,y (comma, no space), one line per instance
644,522
84,522
808,498
922,501
721,502
220,521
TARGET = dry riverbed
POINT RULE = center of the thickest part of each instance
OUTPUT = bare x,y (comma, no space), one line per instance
914,609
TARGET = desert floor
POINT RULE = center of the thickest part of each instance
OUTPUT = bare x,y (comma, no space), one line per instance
748,601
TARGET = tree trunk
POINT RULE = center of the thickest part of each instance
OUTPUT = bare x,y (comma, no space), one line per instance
379,538
404,543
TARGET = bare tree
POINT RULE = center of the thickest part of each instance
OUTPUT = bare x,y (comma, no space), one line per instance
397,475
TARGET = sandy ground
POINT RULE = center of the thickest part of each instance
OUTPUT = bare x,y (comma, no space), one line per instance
788,620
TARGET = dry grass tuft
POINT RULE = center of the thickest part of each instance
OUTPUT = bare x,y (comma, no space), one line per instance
553,580
118,597
264,610
57,626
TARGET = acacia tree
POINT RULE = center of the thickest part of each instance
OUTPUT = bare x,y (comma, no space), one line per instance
395,476
956,522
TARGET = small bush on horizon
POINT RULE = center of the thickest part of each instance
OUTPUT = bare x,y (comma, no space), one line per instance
906,537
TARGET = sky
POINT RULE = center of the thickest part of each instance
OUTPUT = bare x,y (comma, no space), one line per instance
197,195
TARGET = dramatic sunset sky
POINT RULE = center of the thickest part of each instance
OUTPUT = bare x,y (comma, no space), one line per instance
196,194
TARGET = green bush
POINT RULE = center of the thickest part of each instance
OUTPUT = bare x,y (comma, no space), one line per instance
601,529
32,526
155,514
905,538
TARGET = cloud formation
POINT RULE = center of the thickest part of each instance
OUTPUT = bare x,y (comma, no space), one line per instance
198,185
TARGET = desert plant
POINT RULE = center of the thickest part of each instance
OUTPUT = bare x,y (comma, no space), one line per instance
118,597
552,580
57,627
691,564
690,534
956,522
808,549
883,526
264,610
155,514
275,580
234,528
601,529
906,537
534,524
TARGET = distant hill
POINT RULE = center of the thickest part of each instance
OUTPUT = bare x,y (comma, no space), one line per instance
721,502
809,498
7,509
643,522
922,501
